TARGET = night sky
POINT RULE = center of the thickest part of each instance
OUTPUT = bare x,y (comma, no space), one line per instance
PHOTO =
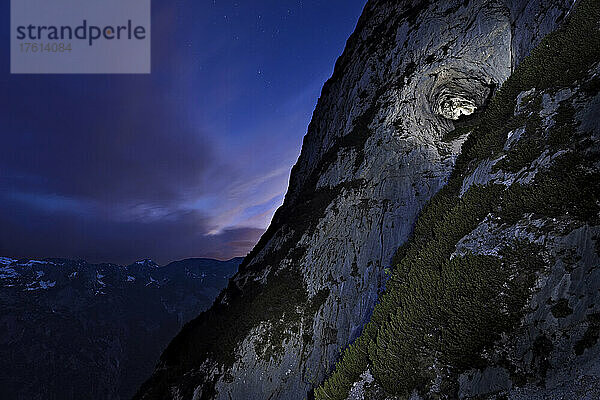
190,161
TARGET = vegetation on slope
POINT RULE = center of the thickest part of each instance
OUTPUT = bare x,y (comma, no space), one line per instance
442,311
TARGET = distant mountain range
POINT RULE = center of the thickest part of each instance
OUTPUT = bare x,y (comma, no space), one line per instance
74,330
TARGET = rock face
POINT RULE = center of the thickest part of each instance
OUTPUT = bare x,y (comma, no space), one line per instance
73,330
552,353
372,158
495,295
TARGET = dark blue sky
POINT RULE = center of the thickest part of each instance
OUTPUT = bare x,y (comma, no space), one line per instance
189,161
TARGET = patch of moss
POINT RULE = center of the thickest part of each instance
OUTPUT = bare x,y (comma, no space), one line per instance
561,309
592,87
542,347
354,273
531,143
564,130
591,335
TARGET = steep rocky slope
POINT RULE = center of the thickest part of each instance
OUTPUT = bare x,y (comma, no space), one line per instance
376,152
497,293
73,330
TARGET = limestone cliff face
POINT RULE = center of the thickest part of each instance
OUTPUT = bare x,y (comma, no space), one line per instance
552,352
372,157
